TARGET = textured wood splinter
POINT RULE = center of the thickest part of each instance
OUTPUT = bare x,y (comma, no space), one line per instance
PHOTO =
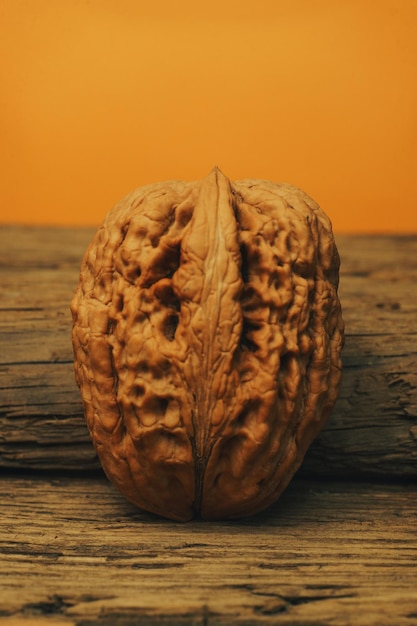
207,338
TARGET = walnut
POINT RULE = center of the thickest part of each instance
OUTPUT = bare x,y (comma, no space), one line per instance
207,337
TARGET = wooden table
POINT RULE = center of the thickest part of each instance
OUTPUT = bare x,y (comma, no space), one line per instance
338,548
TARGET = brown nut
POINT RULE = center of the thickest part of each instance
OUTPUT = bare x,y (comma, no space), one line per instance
207,338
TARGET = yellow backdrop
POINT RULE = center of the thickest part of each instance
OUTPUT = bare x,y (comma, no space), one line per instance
99,97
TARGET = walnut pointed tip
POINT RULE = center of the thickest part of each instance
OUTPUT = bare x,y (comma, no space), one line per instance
217,173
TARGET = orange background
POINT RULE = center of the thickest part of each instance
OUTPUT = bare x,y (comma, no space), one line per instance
99,97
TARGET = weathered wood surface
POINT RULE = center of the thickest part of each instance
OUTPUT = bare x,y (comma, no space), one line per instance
373,430
75,552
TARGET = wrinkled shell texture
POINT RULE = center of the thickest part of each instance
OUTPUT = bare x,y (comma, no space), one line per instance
207,338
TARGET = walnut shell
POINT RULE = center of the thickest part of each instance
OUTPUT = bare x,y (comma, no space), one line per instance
207,337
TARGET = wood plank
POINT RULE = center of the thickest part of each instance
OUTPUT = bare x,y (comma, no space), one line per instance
75,551
373,429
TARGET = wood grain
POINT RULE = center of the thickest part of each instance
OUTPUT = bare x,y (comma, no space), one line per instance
74,552
373,429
